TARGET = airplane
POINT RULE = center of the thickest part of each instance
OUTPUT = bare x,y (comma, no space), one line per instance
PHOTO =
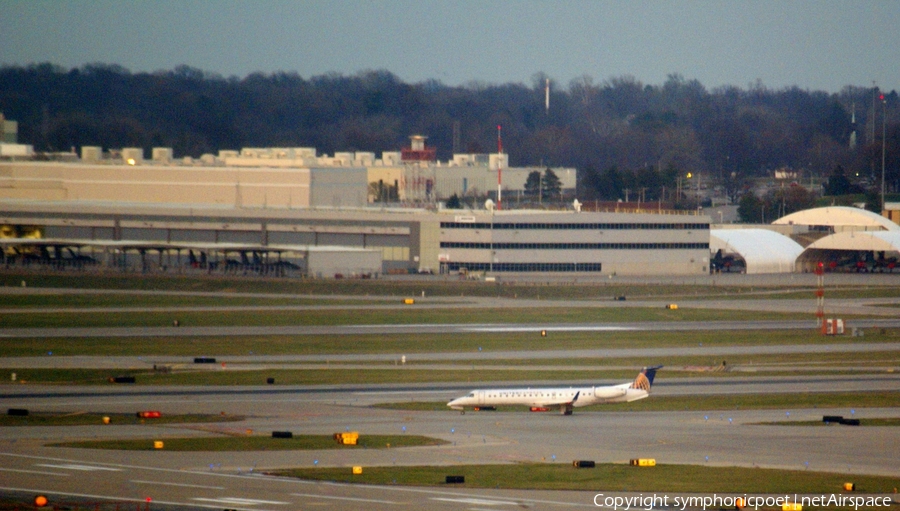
541,400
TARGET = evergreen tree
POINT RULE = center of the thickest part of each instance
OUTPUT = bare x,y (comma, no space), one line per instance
750,209
838,183
551,186
453,202
533,185
613,184
873,200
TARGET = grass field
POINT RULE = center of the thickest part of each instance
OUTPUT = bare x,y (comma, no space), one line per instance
609,477
438,286
408,344
400,288
118,419
745,365
257,443
370,315
89,300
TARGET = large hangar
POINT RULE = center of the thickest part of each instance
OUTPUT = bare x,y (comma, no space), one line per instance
838,219
753,251
853,239
860,251
842,238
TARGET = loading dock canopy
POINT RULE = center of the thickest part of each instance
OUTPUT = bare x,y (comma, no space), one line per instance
762,250
838,217
320,259
153,245
165,245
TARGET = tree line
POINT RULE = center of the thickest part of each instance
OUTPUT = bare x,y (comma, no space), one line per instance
626,138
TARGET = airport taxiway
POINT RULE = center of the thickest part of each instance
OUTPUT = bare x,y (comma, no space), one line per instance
234,480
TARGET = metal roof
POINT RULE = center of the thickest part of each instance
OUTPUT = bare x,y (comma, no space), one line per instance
837,216
763,251
164,245
867,241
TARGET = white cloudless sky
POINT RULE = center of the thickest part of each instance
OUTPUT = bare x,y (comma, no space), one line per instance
816,45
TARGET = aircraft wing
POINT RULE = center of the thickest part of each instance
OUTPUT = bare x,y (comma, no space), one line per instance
547,402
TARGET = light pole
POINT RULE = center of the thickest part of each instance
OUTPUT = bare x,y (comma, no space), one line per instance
883,123
489,205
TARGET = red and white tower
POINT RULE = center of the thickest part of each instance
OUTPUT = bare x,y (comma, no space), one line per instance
820,296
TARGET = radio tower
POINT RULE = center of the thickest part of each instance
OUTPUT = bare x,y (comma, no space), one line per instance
820,296
499,169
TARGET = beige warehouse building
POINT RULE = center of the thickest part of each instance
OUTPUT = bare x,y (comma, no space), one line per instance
290,178
253,187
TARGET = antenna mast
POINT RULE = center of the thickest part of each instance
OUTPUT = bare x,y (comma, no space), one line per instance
499,169
547,97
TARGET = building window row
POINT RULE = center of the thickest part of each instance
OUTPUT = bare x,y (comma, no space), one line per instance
525,267
575,246
570,226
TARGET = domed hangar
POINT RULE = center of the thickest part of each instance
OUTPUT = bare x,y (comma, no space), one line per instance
837,219
859,251
853,239
752,251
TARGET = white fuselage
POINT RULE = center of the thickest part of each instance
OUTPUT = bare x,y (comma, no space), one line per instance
549,397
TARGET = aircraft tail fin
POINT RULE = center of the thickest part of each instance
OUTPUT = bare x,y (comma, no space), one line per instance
644,380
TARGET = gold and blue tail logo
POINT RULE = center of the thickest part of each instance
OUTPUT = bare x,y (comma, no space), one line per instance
645,379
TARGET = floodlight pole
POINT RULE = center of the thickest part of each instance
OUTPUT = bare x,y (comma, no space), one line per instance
491,251
883,123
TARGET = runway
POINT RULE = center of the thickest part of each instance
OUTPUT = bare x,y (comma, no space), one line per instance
236,480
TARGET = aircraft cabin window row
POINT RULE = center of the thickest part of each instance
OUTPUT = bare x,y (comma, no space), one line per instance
525,267
522,394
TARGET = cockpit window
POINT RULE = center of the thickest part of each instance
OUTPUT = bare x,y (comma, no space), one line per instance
472,394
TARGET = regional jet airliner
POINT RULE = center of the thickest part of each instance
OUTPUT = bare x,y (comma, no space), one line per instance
542,400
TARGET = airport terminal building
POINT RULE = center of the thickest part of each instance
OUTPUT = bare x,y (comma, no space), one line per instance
611,243
366,242
293,213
